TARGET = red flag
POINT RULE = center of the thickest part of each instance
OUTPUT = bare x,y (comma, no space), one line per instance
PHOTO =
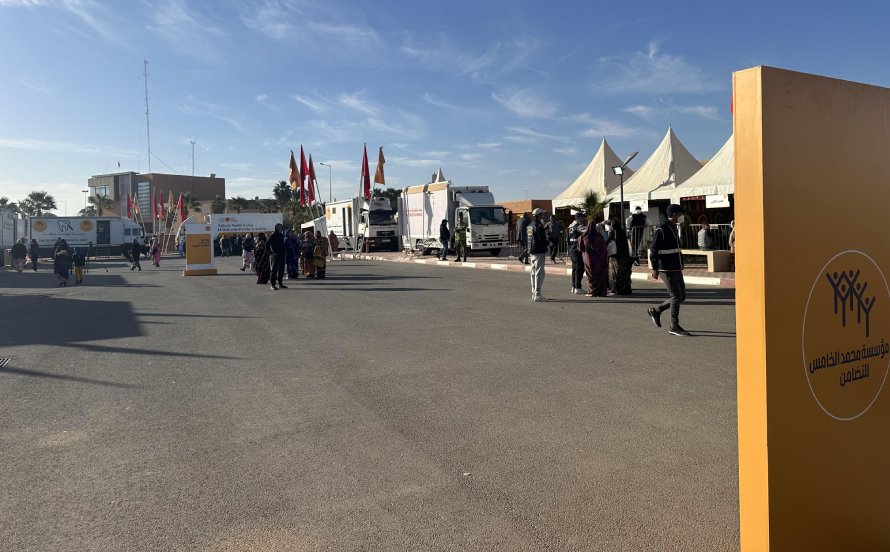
366,174
378,176
181,208
304,172
312,181
129,207
294,172
154,207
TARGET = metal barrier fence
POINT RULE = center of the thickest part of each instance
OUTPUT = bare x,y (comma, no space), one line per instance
716,238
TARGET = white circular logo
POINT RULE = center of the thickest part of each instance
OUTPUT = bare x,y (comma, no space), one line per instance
846,335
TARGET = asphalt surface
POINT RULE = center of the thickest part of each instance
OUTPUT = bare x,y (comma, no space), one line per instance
388,407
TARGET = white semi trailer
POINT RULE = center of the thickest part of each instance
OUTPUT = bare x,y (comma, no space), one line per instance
111,234
425,207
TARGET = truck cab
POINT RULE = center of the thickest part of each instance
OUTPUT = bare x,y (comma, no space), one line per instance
486,221
379,224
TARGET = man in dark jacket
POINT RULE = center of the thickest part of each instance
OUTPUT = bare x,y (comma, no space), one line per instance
135,252
34,253
444,239
667,262
522,238
536,238
555,229
278,251
19,252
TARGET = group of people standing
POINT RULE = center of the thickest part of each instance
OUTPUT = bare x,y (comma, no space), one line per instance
284,254
64,258
22,254
601,252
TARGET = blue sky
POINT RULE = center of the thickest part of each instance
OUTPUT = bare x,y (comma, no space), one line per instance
513,94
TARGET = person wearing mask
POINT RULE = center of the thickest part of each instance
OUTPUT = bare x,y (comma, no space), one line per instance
247,253
522,237
261,260
460,237
536,242
19,253
705,240
278,254
444,239
555,229
34,253
620,262
574,232
667,263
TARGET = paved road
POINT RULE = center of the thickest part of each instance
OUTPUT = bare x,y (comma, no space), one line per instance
389,407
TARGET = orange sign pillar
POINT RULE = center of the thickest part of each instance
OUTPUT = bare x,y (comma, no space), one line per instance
812,184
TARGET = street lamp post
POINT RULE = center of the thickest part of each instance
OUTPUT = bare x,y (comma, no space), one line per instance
619,170
85,192
66,206
330,179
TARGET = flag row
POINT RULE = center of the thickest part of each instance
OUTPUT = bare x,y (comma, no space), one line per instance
302,176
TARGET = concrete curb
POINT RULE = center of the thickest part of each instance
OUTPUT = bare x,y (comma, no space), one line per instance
515,267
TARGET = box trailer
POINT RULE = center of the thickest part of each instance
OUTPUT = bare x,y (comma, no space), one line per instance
425,207
108,235
357,222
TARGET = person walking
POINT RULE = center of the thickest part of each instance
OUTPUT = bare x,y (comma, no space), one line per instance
460,237
444,239
261,263
155,249
334,243
135,252
278,254
594,252
62,262
247,253
620,261
320,255
307,251
19,253
667,263
522,237
536,240
79,262
574,233
555,229
180,243
34,254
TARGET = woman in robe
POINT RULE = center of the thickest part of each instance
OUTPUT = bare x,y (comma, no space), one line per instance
306,252
293,254
155,251
261,260
62,263
596,267
620,262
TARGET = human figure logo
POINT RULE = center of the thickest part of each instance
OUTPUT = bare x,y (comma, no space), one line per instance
845,339
849,291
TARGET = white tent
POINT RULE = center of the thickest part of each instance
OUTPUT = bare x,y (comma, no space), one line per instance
715,178
597,177
669,165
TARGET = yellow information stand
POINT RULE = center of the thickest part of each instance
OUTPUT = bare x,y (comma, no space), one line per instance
199,258
812,184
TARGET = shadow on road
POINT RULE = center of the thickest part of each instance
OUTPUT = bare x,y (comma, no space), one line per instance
47,280
50,375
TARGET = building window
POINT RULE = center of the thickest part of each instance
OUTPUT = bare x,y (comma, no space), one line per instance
100,191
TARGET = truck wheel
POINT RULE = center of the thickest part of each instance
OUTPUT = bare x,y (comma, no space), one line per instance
495,252
360,244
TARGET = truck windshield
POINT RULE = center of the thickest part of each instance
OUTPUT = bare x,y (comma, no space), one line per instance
487,215
382,217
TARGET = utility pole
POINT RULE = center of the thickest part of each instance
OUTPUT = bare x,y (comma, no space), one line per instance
192,142
147,127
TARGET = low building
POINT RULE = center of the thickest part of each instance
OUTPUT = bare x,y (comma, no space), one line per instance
147,189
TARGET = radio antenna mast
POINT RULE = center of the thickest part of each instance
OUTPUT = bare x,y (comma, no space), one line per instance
147,126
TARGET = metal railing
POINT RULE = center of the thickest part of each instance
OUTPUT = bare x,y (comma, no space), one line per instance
717,238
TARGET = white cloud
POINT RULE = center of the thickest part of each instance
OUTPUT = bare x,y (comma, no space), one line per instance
643,111
216,111
21,3
30,144
241,167
569,151
703,111
190,33
650,113
530,136
27,83
316,105
263,100
527,103
433,100
651,73
440,53
358,101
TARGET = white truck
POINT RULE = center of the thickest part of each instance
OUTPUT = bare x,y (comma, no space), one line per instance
9,232
425,207
109,235
376,224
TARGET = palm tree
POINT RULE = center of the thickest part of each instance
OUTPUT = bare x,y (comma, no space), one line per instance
237,204
11,205
282,193
89,211
27,207
218,205
267,206
592,206
191,204
40,202
101,203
